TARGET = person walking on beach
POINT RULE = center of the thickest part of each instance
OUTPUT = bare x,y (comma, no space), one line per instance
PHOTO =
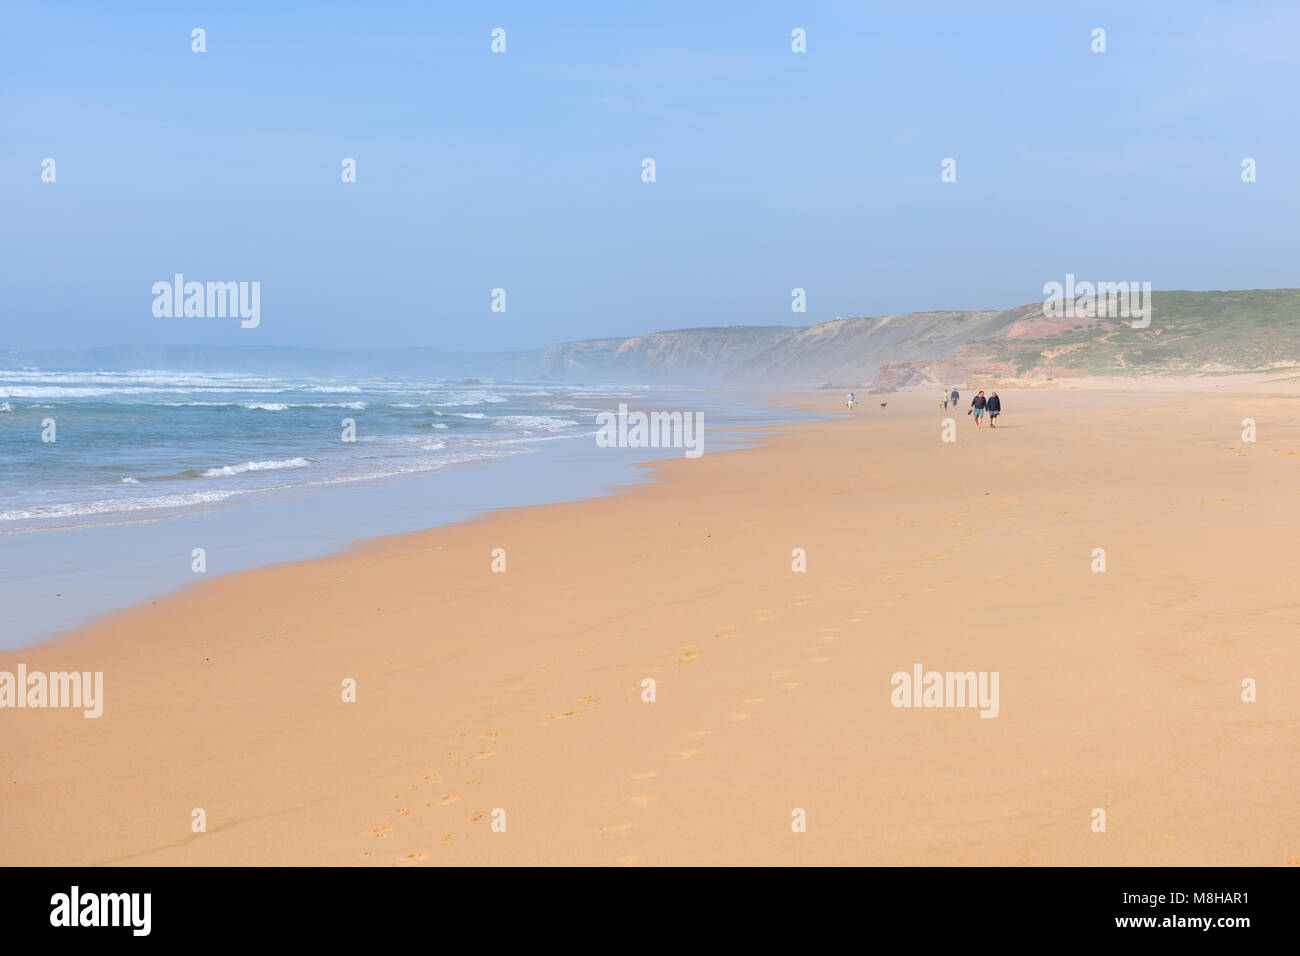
955,396
977,406
943,400
850,402
995,407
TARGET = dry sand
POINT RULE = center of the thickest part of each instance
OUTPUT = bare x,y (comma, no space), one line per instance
522,691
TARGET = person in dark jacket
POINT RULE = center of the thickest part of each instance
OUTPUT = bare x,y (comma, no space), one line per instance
955,396
977,406
995,408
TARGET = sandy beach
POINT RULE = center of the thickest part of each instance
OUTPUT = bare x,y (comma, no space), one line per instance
479,691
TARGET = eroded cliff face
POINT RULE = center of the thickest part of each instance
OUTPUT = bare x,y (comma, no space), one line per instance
843,350
1189,333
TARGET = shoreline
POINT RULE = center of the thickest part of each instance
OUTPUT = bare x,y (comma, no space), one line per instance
63,578
521,691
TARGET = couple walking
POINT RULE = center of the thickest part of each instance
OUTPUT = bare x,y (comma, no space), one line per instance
979,405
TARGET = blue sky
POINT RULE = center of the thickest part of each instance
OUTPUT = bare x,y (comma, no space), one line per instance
522,170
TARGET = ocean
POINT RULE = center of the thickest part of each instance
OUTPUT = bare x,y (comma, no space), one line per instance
147,466
148,444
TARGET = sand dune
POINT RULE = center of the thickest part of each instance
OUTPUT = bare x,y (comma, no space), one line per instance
521,691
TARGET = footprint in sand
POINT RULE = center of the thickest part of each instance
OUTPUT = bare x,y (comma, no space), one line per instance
588,699
644,775
483,755
450,798
698,733
417,856
615,828
433,776
641,800
403,812
737,718
686,754
379,833
687,657
821,660
790,685
751,701
567,713
476,816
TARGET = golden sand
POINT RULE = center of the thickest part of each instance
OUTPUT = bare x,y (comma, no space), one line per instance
517,697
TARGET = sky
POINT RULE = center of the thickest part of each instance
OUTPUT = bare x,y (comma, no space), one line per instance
523,170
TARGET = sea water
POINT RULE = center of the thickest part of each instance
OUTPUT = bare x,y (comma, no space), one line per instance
148,468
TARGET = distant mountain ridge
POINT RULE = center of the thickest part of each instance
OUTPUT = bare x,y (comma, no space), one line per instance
1189,333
